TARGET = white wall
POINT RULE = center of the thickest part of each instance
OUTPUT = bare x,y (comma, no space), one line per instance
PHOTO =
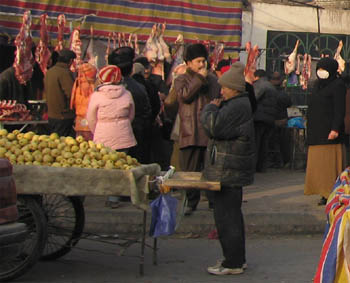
276,17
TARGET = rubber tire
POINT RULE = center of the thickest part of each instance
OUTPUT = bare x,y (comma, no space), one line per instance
39,220
62,248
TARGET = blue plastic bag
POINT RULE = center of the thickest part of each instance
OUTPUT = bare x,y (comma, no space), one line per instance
297,122
163,220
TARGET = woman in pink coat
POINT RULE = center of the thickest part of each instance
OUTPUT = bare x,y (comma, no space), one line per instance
111,110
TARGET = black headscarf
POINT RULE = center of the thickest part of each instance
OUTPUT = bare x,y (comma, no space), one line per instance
331,66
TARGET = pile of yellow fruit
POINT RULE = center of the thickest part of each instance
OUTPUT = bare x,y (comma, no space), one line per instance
52,150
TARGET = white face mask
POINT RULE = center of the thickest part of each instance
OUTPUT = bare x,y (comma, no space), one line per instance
322,74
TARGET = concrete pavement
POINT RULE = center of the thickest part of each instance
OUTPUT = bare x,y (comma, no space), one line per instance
274,204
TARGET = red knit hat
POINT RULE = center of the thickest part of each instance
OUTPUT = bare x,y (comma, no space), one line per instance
110,74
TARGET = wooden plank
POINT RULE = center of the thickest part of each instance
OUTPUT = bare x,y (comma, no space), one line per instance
187,175
192,184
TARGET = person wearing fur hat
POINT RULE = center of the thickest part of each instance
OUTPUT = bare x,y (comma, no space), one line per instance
194,89
228,123
325,130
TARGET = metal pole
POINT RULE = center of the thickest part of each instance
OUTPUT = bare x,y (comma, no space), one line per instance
143,243
318,30
155,262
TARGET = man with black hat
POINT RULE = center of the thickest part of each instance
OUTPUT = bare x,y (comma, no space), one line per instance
58,84
195,88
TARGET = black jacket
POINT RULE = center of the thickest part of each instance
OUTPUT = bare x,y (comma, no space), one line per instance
231,148
152,94
326,111
283,102
11,89
266,97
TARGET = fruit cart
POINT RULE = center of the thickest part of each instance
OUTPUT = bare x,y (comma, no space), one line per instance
50,202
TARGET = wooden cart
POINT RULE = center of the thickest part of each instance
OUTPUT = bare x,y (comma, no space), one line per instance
51,197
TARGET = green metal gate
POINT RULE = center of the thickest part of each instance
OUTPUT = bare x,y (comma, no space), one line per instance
281,44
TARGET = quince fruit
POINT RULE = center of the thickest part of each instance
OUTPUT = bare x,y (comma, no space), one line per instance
11,136
47,159
3,132
28,135
70,141
84,145
55,152
80,139
54,136
2,151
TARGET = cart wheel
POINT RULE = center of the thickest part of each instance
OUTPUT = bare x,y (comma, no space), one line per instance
65,221
33,216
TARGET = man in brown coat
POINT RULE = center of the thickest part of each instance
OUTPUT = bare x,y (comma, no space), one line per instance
58,84
195,88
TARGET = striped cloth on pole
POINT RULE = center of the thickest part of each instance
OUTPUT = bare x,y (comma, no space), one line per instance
334,264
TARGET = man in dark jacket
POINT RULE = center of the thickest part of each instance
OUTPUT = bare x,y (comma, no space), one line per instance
123,58
194,89
11,89
281,134
58,84
228,122
264,116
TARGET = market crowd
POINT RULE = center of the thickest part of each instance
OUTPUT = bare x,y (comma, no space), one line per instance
207,119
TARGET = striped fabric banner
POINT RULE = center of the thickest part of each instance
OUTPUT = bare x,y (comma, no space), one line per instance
334,264
214,20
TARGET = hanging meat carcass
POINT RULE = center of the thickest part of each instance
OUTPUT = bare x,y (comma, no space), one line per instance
297,70
75,45
42,52
250,66
136,44
177,58
24,60
339,59
306,72
61,23
164,47
151,49
217,55
90,55
289,64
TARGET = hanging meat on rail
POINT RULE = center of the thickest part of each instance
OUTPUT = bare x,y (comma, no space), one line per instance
108,49
290,63
42,52
75,45
136,45
306,71
217,54
164,47
339,59
61,23
250,66
90,55
177,57
24,60
297,70
151,49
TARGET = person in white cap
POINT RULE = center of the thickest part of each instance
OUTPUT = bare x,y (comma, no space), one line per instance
228,122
